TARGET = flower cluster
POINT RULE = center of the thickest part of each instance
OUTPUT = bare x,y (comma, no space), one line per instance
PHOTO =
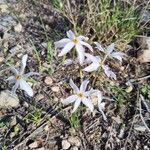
94,63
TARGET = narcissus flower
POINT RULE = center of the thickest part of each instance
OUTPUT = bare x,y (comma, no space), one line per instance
73,41
96,63
19,78
109,51
80,95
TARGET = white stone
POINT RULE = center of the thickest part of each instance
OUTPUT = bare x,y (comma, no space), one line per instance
55,88
144,56
8,100
13,121
65,144
46,128
1,59
74,148
39,97
74,141
42,148
3,8
144,42
18,28
48,80
34,145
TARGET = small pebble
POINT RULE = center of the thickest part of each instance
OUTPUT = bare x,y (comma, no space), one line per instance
8,100
42,148
3,8
13,121
46,128
74,148
56,99
144,56
48,80
55,88
65,145
18,28
1,59
34,145
39,97
74,141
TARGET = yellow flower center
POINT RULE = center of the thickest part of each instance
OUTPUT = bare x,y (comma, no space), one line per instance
75,41
80,95
18,77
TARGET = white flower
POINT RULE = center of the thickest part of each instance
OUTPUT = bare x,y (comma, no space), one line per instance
96,63
80,95
20,77
109,73
109,51
101,105
99,98
72,41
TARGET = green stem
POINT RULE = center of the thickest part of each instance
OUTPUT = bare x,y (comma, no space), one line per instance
101,65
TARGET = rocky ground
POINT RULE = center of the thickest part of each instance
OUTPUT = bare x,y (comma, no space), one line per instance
42,122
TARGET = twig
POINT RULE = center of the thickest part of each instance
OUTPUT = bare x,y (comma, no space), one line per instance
133,120
139,79
142,118
34,132
143,100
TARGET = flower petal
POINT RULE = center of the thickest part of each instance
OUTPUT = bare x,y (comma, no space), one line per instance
101,106
15,71
81,53
104,116
82,38
26,87
14,88
23,63
118,55
92,67
99,47
113,75
66,49
109,73
76,105
95,59
110,48
70,99
87,45
88,103
73,86
100,97
68,62
61,43
11,79
70,35
84,85
90,92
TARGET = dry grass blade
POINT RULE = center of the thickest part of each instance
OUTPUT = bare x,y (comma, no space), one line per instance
142,118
